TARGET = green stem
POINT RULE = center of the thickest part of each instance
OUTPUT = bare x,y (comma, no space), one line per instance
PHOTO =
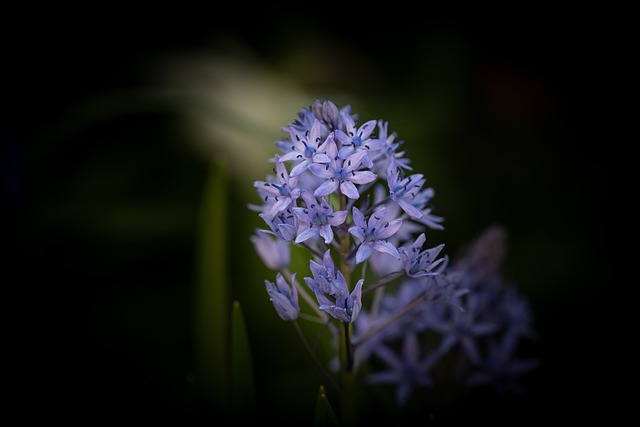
315,360
348,396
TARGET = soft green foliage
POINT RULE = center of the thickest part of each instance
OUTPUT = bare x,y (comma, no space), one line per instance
324,413
212,375
242,383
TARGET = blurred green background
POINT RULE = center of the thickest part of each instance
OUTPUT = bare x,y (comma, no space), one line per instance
114,121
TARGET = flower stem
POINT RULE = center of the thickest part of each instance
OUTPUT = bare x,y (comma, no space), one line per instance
373,331
315,360
348,397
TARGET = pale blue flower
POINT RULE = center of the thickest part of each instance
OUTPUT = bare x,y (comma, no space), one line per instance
278,192
408,230
383,264
284,297
420,263
444,287
421,202
306,148
372,235
343,174
404,190
420,309
325,278
327,112
407,371
275,253
431,220
463,327
284,225
317,218
389,151
345,306
353,140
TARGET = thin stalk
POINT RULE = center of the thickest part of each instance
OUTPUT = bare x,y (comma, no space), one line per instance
348,396
305,295
372,332
315,360
383,281
345,349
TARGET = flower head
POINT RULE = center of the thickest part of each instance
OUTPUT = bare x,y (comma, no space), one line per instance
346,193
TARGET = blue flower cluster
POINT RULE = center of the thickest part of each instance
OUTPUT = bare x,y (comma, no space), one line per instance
348,195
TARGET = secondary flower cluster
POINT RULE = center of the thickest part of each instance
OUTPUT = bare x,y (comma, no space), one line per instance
348,195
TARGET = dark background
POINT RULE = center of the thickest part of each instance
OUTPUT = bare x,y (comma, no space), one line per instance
102,194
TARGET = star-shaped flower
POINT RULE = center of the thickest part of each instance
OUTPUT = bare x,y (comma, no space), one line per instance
404,190
345,306
306,148
284,225
353,139
407,370
420,263
317,218
341,173
325,278
279,192
373,235
464,327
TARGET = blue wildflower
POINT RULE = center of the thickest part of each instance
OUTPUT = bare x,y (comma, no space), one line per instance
373,234
306,148
327,112
464,327
275,253
417,299
284,297
406,371
341,173
284,225
389,151
345,307
325,278
420,263
404,190
353,139
317,218
280,192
